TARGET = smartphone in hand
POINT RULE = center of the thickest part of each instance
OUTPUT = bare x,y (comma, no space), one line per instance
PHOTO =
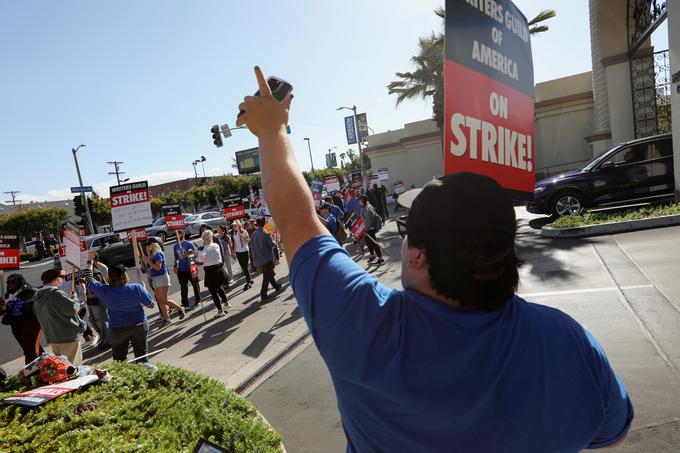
280,88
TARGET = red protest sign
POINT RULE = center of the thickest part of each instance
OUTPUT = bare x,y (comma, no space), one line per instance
233,212
357,228
140,234
10,257
174,220
489,94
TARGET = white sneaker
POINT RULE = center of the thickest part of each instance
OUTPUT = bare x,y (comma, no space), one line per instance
219,314
92,342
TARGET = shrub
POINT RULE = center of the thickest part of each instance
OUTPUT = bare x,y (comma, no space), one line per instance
169,410
595,218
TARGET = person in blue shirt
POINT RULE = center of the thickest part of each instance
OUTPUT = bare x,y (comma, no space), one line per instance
125,304
184,252
352,205
455,361
335,210
160,281
330,219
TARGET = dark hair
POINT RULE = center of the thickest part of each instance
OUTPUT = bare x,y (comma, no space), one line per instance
261,221
466,226
20,279
118,275
50,275
363,198
325,206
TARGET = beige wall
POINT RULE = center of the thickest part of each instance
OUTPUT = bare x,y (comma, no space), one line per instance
674,40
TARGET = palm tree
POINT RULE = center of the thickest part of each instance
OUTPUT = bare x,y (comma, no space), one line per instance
428,78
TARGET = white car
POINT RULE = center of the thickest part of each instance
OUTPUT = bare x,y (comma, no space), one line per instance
196,223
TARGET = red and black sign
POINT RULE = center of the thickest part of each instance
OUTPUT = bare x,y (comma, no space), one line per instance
357,226
233,208
140,234
354,178
10,257
174,220
489,93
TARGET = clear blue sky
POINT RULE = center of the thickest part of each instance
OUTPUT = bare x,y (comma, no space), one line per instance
143,81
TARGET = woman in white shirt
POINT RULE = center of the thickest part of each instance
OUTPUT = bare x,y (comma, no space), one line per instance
211,258
241,240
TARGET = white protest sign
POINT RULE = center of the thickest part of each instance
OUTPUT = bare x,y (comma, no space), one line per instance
131,206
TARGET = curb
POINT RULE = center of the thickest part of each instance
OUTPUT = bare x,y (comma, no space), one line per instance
611,228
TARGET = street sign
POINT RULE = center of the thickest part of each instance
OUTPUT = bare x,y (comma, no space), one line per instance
489,94
83,189
225,130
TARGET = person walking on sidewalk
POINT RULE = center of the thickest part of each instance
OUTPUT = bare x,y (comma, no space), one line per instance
373,224
17,308
125,304
456,360
97,310
211,258
58,315
263,248
227,251
242,251
184,251
160,281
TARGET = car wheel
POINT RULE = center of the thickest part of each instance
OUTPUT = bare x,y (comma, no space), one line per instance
567,203
162,236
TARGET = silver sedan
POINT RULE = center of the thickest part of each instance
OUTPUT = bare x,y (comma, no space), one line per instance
196,223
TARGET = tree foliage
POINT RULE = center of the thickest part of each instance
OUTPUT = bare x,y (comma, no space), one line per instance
28,222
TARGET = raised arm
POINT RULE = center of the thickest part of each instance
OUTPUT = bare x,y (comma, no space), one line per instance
286,191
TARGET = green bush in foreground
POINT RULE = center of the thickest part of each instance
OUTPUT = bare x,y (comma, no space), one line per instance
595,218
137,410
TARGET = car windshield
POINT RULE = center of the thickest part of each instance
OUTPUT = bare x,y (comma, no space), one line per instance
191,218
160,221
603,157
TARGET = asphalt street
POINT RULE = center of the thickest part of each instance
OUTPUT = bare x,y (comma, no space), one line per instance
623,288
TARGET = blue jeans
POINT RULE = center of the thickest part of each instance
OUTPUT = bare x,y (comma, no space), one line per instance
121,337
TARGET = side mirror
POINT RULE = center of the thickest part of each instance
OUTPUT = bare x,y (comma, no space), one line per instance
607,165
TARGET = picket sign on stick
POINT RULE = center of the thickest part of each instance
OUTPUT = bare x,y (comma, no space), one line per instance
368,238
138,269
2,284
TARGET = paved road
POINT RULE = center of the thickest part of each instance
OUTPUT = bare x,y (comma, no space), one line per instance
624,288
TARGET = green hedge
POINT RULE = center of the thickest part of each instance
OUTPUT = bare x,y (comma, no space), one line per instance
140,411
596,218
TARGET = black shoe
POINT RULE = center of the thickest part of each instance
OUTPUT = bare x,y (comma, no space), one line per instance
182,314
379,262
103,346
370,259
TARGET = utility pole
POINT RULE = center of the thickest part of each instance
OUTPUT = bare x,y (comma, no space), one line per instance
116,171
310,153
13,194
90,225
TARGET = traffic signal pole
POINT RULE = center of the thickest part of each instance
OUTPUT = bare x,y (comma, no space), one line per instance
87,205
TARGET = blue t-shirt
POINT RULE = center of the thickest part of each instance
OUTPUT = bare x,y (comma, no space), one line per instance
158,257
337,212
354,206
414,374
123,303
332,224
184,264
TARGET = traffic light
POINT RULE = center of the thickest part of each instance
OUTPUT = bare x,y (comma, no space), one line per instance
217,138
78,207
89,204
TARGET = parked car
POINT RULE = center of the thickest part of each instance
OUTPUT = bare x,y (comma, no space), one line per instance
636,171
195,224
111,248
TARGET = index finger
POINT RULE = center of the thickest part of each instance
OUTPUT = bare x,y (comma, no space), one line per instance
265,91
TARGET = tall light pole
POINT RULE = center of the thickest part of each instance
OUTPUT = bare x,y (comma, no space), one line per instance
116,170
194,163
310,152
356,131
203,165
80,180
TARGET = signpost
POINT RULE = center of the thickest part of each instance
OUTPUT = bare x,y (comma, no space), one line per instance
317,188
489,94
131,210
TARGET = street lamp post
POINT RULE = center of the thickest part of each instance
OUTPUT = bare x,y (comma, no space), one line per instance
203,165
310,152
194,163
356,131
80,180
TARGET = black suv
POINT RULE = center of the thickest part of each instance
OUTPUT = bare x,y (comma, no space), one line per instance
636,171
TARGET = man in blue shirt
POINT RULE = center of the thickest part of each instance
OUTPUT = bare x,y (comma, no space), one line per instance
331,220
335,210
455,361
352,205
184,255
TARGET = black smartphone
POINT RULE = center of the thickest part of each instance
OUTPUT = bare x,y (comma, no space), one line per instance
280,88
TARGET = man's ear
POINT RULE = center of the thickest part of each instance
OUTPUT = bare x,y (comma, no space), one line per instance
416,258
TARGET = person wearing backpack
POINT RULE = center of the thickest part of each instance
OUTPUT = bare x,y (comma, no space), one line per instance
373,224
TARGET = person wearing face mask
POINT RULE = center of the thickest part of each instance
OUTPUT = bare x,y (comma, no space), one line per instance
17,307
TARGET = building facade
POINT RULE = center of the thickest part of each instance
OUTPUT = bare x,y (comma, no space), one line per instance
179,185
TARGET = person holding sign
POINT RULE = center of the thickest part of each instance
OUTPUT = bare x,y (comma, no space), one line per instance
456,360
184,254
17,308
160,281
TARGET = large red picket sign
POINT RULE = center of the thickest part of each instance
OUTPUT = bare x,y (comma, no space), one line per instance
10,257
489,93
